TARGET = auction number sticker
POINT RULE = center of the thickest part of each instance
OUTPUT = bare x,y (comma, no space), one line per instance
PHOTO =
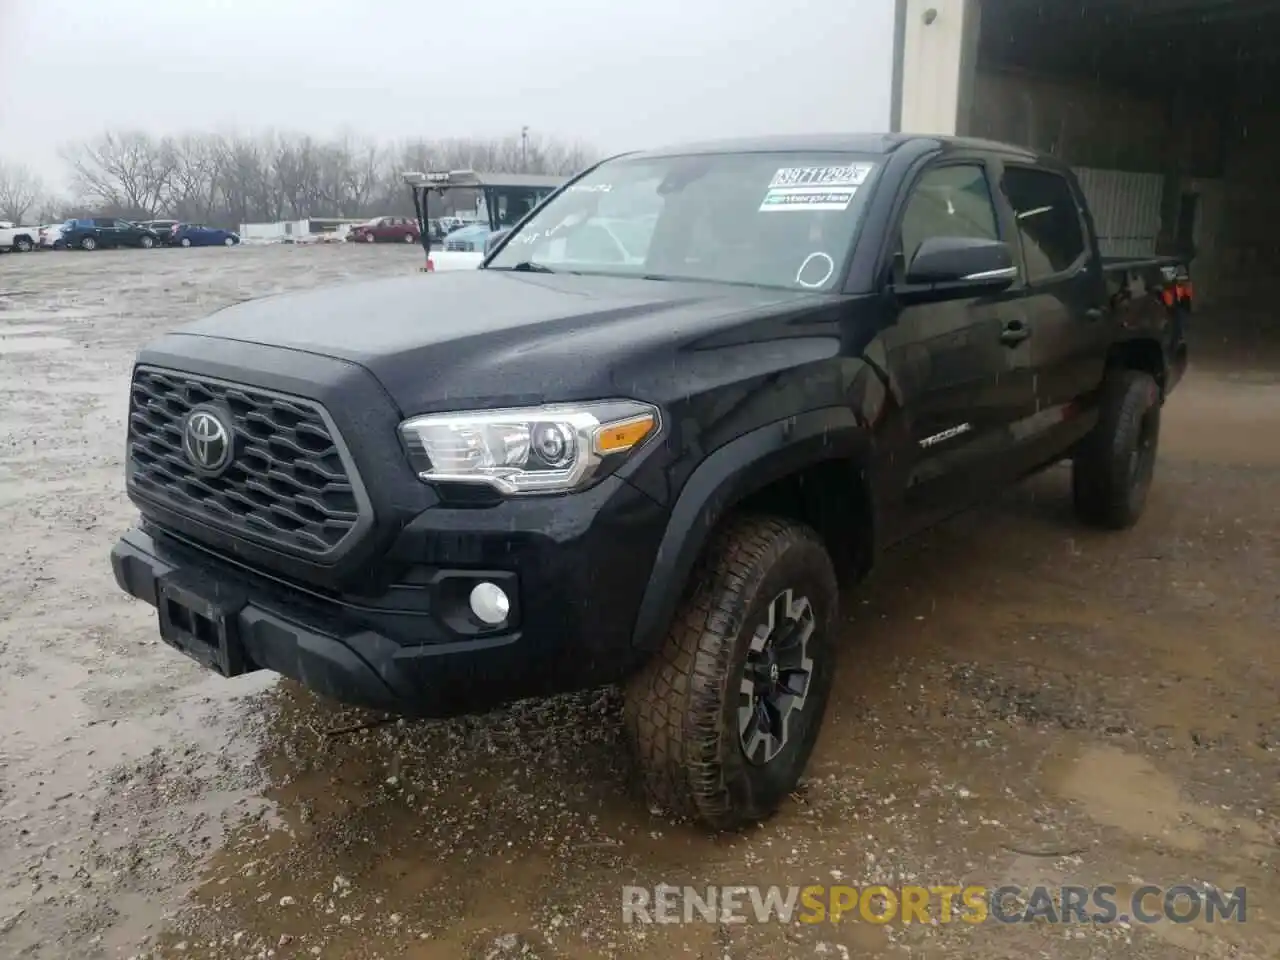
815,188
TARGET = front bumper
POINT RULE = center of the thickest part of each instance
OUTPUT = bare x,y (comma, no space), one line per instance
575,566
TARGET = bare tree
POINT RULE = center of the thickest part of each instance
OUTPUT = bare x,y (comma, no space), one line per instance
21,191
193,191
233,178
127,171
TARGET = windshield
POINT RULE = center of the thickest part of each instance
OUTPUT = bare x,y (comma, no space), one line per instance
769,219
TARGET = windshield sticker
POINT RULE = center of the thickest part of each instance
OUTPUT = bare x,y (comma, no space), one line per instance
850,175
826,267
807,198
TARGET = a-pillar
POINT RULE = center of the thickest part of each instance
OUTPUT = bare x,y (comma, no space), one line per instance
935,66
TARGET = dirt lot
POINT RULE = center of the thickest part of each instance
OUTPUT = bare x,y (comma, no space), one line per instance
1019,701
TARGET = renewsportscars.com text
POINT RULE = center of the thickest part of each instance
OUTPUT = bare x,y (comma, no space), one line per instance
945,903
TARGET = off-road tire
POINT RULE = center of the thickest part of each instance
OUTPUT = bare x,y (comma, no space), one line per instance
1112,470
681,709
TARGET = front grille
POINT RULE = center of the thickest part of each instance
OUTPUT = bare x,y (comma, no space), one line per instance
288,482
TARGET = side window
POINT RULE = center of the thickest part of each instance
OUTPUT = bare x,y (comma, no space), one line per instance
951,201
1048,220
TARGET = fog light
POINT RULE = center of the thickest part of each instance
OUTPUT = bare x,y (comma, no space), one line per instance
490,603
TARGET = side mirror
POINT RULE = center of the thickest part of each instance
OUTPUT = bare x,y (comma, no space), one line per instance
493,239
947,268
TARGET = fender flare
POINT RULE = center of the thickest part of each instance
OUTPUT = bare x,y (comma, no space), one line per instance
732,472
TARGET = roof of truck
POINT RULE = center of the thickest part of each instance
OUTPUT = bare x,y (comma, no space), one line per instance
834,143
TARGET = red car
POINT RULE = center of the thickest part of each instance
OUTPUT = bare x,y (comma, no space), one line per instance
387,229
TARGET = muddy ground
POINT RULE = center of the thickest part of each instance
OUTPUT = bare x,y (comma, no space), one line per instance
1019,701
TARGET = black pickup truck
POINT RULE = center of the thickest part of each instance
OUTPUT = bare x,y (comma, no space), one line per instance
639,442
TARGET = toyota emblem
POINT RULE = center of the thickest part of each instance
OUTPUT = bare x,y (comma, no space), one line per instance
207,441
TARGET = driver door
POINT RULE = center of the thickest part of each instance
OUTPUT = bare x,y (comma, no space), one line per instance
961,388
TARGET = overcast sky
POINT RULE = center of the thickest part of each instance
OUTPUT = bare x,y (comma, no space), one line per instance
614,73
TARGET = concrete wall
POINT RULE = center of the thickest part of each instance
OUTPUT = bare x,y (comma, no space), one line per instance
1248,242
1082,124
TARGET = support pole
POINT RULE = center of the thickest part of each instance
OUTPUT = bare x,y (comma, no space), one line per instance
938,65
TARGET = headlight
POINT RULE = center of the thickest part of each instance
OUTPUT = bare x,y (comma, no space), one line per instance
551,449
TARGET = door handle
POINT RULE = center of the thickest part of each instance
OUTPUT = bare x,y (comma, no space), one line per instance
1093,313
1014,332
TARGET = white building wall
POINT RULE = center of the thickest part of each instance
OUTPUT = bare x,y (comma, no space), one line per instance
939,44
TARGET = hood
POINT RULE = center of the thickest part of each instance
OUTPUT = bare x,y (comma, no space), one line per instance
475,338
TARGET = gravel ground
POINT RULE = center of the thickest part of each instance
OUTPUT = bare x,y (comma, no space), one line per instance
1019,701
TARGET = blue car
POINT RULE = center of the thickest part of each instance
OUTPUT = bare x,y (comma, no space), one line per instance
198,235
467,238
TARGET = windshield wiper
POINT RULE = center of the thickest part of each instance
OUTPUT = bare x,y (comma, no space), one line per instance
528,266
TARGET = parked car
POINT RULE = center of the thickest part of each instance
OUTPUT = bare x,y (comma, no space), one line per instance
199,235
51,237
467,239
438,497
95,232
163,228
385,229
17,238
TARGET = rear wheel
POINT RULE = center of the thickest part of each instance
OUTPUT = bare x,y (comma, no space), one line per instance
409,238
185,242
22,245
725,715
1114,466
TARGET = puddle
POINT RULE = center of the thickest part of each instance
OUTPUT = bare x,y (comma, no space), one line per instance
1128,792
31,344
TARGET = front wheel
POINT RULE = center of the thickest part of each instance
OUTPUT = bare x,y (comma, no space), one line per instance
724,717
228,241
88,243
146,243
368,238
23,245
1112,471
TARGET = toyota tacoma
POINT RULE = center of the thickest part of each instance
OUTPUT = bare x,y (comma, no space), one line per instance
638,443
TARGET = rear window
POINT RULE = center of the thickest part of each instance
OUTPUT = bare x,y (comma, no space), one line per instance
1049,227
